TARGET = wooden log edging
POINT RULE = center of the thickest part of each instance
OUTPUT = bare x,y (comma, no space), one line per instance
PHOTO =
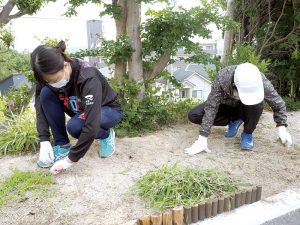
203,210
167,218
214,207
144,221
195,213
178,215
156,219
220,205
226,203
187,215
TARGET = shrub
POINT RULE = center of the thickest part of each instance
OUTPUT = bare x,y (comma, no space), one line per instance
19,134
3,106
18,98
246,53
153,112
291,104
241,54
12,62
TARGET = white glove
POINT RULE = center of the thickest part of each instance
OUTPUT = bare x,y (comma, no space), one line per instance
284,136
199,146
46,152
60,165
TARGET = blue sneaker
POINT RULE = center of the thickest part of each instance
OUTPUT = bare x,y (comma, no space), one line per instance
107,148
61,152
247,141
233,128
43,164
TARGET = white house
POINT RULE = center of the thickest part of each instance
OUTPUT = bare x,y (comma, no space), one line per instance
194,79
107,71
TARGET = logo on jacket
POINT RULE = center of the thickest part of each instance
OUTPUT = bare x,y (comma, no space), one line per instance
72,103
89,100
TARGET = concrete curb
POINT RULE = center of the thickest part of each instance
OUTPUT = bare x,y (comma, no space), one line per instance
259,212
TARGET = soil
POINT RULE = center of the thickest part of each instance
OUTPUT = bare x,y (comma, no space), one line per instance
96,191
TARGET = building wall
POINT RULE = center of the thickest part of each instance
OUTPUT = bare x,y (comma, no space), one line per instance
210,48
193,87
185,92
94,33
202,87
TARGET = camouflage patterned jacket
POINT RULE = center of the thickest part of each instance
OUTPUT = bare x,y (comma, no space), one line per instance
222,93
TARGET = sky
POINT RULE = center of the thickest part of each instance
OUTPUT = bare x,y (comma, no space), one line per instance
50,22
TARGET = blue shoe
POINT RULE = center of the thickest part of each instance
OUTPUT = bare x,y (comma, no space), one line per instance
61,152
107,148
247,141
43,164
233,128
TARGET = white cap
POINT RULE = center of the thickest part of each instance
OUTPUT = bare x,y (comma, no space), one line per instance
248,80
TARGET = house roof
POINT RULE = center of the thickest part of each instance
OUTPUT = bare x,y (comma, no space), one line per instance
7,78
14,77
15,80
162,80
190,69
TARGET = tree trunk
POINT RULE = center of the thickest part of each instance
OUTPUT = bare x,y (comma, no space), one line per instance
120,67
135,63
228,36
5,16
159,66
292,89
6,10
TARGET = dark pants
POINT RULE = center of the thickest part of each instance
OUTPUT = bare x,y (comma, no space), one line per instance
250,114
55,115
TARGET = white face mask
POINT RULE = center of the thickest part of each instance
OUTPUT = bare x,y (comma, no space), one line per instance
59,84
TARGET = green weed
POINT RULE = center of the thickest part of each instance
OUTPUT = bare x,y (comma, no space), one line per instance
19,134
297,147
19,183
171,186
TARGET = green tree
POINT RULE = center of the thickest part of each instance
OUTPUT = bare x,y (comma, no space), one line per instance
273,29
20,8
228,35
12,61
246,53
49,41
23,7
153,43
6,38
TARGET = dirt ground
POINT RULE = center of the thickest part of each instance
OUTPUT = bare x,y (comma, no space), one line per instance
95,191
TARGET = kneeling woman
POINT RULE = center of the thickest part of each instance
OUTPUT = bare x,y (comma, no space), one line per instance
69,85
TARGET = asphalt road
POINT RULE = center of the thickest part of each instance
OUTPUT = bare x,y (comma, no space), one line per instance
291,218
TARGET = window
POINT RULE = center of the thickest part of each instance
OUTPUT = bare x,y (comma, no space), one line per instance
194,94
209,47
183,94
197,94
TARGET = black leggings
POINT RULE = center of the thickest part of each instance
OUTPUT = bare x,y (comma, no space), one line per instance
250,114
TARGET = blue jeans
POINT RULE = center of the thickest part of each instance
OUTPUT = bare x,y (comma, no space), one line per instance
55,115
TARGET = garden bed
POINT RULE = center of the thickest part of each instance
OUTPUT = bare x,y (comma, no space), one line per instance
96,191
